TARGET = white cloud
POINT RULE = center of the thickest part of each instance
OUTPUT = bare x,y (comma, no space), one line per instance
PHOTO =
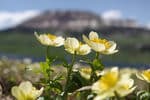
112,15
10,19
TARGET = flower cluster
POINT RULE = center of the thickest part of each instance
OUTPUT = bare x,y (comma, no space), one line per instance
92,82
73,45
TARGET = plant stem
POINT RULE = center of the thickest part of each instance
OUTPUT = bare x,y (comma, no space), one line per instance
149,87
93,74
117,96
47,55
97,55
69,71
47,76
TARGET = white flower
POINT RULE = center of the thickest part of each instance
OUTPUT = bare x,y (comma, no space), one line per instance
100,45
72,45
83,49
144,75
50,40
86,72
112,82
25,91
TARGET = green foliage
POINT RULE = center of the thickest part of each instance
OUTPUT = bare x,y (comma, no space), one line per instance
143,95
97,64
45,68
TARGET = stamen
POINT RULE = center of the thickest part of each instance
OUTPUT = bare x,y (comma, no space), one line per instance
52,37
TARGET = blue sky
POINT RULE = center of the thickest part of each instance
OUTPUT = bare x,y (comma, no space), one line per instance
135,9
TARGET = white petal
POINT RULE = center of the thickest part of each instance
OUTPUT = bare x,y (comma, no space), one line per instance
84,49
126,82
100,97
125,85
98,47
113,46
123,92
86,40
43,39
26,87
37,93
59,41
109,52
17,93
115,69
96,87
146,78
138,75
93,35
36,35
71,45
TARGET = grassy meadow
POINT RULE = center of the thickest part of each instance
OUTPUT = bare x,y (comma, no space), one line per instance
27,45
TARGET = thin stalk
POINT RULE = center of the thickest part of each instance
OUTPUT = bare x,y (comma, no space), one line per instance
69,71
48,62
93,74
149,87
47,54
117,96
97,55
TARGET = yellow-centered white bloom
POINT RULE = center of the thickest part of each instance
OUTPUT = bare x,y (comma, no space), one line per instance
50,40
86,72
112,81
72,45
100,45
144,75
25,91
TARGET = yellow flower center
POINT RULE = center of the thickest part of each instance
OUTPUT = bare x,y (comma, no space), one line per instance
52,37
102,41
147,74
109,80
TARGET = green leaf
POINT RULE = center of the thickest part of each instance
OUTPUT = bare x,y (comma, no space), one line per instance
50,60
44,68
58,77
97,64
143,95
56,86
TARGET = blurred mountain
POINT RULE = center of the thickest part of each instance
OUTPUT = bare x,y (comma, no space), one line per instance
77,21
64,20
131,38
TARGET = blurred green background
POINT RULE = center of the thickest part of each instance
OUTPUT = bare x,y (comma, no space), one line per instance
26,45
